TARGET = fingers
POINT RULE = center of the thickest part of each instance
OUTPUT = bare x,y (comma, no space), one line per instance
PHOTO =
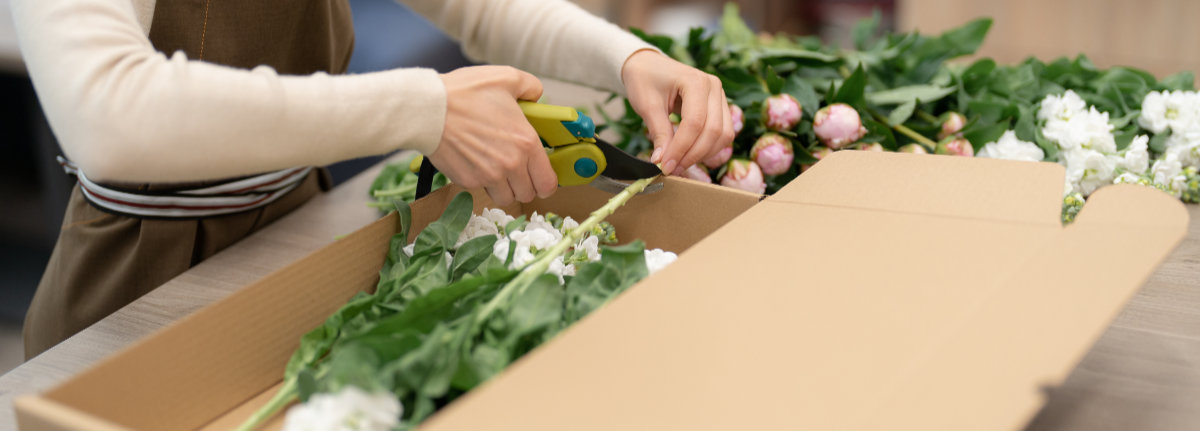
712,136
500,193
545,181
526,86
658,124
695,94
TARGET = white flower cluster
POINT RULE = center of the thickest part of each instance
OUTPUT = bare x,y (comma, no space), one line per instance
1177,113
1009,147
540,234
350,409
1086,145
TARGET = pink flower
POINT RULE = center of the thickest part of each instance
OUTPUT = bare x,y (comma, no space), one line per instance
773,153
782,112
837,125
956,147
873,146
914,148
697,172
737,117
744,175
716,160
952,124
818,153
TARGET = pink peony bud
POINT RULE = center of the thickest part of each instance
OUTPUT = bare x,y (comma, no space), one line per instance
914,148
773,153
837,125
737,117
818,153
956,147
872,146
697,172
782,112
745,175
952,124
719,159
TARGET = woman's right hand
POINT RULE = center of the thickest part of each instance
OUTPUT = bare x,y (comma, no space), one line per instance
486,141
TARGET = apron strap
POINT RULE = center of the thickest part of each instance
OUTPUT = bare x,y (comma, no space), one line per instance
212,200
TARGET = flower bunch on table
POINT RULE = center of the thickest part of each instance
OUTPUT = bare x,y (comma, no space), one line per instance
794,100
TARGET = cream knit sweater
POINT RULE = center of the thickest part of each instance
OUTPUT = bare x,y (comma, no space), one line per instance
125,112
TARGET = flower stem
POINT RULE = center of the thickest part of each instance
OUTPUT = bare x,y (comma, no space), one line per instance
394,192
928,117
286,394
541,263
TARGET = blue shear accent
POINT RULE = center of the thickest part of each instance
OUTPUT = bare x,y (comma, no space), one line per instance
582,127
586,167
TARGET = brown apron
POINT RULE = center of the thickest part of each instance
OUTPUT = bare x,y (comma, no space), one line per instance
103,261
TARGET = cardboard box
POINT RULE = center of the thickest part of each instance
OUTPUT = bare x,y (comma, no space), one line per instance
877,291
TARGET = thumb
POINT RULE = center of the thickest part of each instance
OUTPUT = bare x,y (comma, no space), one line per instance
526,86
661,131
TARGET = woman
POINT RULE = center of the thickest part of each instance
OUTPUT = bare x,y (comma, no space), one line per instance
186,121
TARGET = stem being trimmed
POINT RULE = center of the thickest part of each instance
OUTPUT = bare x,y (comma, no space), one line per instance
287,393
394,192
542,262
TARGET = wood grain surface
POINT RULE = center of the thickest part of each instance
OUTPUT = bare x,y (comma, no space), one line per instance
1143,373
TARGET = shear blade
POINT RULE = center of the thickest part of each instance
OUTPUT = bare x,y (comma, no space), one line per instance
622,166
613,186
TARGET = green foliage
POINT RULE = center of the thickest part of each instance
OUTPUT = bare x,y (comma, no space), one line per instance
423,334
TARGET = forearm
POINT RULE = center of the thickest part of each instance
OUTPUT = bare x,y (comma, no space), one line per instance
125,112
549,38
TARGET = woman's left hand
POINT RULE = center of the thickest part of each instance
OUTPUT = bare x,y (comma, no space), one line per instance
657,86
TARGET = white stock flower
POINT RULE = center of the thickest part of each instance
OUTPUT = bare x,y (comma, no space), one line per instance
1167,173
1009,147
1137,156
558,269
1061,108
1176,110
408,249
478,226
1184,146
1088,129
1128,178
497,216
1087,170
568,224
657,259
590,245
350,409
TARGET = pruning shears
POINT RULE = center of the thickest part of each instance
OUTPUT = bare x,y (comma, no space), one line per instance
577,156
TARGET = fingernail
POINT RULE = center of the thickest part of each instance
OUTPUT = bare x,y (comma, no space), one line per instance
656,156
670,166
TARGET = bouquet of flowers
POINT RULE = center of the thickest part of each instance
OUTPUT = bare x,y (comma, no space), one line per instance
795,100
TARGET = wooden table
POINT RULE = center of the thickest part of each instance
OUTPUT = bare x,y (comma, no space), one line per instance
1143,373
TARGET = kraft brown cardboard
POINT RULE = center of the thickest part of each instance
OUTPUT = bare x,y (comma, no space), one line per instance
877,291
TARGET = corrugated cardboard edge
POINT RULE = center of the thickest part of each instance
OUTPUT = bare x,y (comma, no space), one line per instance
37,413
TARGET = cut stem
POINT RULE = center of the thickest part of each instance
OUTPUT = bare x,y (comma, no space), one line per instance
287,393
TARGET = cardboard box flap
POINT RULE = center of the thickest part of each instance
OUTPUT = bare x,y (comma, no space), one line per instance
850,317
934,185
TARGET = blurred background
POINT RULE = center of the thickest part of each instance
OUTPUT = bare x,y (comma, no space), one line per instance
33,190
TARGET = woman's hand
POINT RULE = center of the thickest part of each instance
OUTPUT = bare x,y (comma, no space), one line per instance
486,141
657,86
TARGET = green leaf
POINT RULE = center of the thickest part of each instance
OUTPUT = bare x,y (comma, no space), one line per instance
595,283
879,132
979,136
896,96
1182,81
965,40
975,77
663,43
804,93
772,53
441,235
851,91
1158,143
902,113
734,32
471,255
865,29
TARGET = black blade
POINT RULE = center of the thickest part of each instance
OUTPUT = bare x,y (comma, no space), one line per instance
622,166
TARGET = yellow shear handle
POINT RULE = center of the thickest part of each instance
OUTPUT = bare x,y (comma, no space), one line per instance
573,153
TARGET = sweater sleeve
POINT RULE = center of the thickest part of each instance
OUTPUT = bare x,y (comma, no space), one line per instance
551,38
124,112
